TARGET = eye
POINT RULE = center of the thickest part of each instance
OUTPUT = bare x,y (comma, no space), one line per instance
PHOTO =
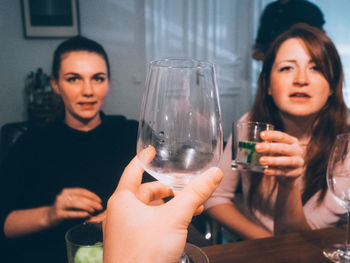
315,67
99,78
285,68
73,79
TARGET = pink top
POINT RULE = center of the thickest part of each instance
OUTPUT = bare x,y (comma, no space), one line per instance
327,214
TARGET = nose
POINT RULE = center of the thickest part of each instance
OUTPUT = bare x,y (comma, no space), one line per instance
301,77
88,89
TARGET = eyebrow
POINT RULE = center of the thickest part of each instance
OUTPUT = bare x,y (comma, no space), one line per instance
293,61
287,60
78,74
101,73
71,73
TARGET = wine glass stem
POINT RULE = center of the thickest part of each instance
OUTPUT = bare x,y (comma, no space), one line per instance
347,241
184,258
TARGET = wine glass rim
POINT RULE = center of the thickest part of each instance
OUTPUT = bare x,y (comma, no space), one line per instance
181,63
268,125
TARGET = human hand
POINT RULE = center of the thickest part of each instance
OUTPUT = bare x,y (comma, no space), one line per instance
137,232
73,203
285,154
99,218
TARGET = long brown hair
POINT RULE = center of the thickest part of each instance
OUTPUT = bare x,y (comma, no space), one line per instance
330,120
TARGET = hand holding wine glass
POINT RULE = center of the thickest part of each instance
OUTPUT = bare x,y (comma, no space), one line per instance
338,180
135,231
180,117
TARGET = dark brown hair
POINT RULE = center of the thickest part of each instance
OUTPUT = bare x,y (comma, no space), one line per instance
330,120
78,43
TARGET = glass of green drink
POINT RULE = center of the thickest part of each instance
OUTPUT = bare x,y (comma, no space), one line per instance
245,135
85,243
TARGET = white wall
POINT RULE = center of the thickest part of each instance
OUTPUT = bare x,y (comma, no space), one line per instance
117,24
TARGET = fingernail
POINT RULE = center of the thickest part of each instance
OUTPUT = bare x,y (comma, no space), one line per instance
258,146
263,134
215,175
146,155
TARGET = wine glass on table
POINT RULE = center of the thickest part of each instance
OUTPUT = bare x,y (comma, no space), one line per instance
180,117
338,181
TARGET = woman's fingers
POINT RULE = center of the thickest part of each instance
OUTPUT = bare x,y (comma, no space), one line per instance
71,192
277,136
98,218
79,199
279,148
283,172
282,154
67,214
282,161
279,143
81,203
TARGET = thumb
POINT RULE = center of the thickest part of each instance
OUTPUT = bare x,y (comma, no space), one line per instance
196,192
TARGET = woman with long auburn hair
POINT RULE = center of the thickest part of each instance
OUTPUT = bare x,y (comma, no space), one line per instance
300,93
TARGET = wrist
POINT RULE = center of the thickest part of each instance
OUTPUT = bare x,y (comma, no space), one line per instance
48,220
287,181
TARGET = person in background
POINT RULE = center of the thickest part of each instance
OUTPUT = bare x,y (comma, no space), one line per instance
280,15
300,93
136,232
63,173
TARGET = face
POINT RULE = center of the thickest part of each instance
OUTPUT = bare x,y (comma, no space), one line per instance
297,87
82,83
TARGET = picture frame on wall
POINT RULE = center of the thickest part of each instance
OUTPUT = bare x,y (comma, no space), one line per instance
50,18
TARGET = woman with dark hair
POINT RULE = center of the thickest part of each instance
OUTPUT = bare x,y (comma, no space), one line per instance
300,93
63,173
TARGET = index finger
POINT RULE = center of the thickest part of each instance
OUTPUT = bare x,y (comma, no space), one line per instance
132,175
277,136
83,192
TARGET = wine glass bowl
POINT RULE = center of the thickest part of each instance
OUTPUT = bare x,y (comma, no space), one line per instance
180,117
338,182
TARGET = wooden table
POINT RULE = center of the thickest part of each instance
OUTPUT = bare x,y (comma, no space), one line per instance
301,247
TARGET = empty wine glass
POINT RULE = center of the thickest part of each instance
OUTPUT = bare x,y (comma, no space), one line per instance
338,180
180,117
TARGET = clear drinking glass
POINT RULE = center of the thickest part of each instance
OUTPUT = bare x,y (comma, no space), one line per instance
180,117
85,243
338,180
245,136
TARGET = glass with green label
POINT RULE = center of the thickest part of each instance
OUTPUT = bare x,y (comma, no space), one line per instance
245,135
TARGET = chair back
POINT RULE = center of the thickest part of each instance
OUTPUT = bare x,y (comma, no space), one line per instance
10,133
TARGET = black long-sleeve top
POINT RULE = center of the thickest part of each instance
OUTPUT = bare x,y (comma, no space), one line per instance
47,159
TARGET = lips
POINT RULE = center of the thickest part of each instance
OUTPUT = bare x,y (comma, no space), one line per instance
87,103
299,95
